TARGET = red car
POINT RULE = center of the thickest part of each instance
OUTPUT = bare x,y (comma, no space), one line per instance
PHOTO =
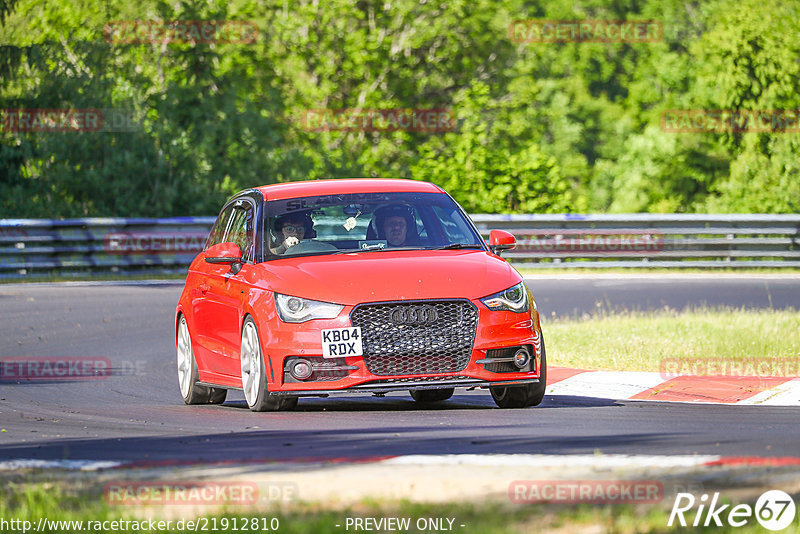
355,286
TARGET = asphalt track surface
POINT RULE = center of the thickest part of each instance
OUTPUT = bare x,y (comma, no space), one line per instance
136,414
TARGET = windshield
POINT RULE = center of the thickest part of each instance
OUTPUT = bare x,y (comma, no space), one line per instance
365,222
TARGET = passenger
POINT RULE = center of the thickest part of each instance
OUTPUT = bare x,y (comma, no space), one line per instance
291,229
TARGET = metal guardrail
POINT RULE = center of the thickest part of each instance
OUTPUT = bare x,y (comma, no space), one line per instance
650,240
34,247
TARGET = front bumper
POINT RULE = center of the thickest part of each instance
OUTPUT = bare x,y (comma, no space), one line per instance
410,385
493,330
379,389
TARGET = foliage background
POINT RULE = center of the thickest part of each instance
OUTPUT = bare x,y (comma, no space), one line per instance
545,127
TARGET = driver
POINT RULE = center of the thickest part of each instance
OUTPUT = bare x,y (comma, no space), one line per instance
293,228
396,225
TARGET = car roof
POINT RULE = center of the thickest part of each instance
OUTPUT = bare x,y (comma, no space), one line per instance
341,186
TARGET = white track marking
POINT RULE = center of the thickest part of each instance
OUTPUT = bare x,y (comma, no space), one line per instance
606,384
554,460
79,465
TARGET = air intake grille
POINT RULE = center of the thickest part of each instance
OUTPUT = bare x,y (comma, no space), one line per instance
421,337
508,367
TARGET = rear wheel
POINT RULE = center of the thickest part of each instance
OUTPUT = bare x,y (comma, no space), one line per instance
432,395
254,375
523,396
191,391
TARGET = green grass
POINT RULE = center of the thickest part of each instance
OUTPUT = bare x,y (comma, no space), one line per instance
30,502
642,341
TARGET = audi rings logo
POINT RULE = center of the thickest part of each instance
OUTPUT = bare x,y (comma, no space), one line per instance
424,314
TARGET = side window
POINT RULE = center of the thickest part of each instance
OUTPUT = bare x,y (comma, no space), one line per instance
218,230
454,227
422,231
240,230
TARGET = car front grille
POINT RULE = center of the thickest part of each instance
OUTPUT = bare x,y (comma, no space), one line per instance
419,337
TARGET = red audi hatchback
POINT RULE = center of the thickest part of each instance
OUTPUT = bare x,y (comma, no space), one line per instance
354,286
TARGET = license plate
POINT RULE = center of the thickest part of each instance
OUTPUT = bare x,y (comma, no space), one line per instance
342,342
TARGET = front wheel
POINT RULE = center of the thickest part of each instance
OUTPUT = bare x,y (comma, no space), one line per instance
254,375
191,391
523,396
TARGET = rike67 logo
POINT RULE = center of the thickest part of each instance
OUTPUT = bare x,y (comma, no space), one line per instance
774,510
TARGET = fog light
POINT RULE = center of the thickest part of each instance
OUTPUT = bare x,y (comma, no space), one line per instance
301,369
521,358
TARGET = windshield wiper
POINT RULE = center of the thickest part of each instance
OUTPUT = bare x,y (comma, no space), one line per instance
452,246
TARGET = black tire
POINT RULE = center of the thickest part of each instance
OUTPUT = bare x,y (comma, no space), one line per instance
217,395
254,375
191,391
523,396
432,395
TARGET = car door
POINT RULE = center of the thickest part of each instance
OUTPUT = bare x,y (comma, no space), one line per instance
219,308
203,321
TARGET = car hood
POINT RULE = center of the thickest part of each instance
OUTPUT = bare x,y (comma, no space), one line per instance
390,275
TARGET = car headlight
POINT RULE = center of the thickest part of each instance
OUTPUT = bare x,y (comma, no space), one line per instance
299,310
514,299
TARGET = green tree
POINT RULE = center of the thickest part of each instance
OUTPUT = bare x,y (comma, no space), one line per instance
483,171
748,61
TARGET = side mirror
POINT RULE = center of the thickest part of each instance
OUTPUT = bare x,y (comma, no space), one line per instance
500,240
225,253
